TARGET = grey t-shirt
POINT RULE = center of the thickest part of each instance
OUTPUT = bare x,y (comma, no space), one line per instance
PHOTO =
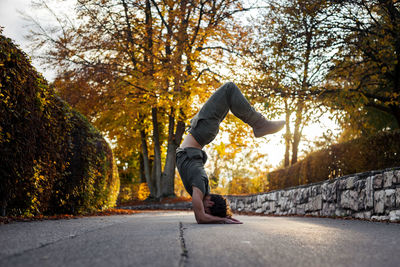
190,163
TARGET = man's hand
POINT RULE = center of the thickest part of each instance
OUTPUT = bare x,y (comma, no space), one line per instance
230,220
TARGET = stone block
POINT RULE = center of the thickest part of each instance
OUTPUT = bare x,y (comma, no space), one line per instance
350,182
361,199
398,197
270,206
394,215
342,212
324,190
380,218
300,209
328,209
378,181
260,200
302,196
367,214
360,185
359,215
314,204
248,200
272,196
362,215
369,193
232,204
264,206
247,207
388,179
259,210
290,194
315,213
282,202
278,211
396,178
331,189
315,190
349,199
254,205
390,198
342,184
294,195
379,201
292,211
240,206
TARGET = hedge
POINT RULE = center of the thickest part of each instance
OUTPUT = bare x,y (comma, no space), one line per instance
376,152
52,160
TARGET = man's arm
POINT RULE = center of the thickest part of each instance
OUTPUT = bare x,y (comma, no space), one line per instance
201,215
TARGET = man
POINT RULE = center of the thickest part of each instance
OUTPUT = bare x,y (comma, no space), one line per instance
190,158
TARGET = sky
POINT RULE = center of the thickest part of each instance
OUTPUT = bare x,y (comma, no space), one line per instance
15,27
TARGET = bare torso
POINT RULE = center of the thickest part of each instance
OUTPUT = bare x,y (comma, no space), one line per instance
189,141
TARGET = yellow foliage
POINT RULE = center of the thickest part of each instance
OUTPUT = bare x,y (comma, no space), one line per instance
144,191
179,189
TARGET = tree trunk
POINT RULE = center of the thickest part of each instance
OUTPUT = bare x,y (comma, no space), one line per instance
288,134
297,131
146,165
174,140
141,168
3,206
168,175
300,103
157,153
169,167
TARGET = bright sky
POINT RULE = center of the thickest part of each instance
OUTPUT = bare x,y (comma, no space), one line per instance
15,28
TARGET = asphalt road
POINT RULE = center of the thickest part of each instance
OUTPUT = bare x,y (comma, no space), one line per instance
174,239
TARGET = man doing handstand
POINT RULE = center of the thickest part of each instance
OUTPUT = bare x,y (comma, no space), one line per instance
190,158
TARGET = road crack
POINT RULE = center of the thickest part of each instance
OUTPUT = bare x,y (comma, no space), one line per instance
184,253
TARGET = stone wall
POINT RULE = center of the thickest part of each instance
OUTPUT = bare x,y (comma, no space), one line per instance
371,195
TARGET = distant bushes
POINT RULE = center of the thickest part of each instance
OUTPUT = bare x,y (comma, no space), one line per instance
51,159
364,154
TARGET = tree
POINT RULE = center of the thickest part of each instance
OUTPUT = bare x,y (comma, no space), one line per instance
293,43
365,79
144,63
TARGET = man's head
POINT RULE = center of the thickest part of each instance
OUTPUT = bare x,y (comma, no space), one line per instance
216,205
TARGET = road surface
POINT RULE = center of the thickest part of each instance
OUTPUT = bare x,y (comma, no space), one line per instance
174,239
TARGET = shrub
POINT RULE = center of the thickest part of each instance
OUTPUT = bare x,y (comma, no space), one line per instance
363,154
51,159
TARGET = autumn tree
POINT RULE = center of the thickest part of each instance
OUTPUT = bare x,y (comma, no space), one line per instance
292,51
365,79
135,68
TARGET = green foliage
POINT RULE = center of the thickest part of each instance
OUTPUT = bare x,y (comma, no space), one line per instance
52,159
359,155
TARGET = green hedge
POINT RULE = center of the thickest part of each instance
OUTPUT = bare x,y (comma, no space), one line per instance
51,159
363,154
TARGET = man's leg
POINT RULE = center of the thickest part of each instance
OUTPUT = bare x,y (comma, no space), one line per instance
229,97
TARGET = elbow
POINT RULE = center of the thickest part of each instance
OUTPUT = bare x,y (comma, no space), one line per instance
201,221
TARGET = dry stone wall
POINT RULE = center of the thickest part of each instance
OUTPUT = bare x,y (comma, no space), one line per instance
370,195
